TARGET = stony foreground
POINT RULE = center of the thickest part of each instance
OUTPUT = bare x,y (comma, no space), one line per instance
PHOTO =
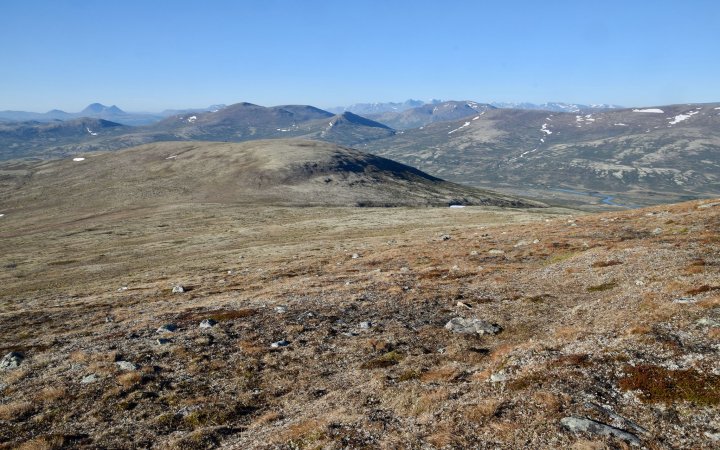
583,332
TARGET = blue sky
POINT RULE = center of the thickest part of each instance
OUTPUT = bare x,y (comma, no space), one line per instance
152,55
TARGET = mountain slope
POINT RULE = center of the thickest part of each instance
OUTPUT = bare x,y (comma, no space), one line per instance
644,155
430,113
21,139
279,172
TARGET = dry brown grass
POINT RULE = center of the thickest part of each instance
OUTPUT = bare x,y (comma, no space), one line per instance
14,411
442,374
43,443
483,410
266,418
305,434
710,302
130,379
406,382
51,394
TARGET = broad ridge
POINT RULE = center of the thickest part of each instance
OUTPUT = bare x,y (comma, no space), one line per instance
275,172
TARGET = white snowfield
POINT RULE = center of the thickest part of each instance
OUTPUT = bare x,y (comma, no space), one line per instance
78,159
466,124
545,130
650,110
680,117
90,131
192,119
2,215
457,206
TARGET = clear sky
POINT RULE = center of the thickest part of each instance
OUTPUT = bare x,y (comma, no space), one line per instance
155,54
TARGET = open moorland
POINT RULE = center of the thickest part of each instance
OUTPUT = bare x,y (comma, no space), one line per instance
342,327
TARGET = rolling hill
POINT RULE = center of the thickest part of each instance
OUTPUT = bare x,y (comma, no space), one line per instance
276,172
36,139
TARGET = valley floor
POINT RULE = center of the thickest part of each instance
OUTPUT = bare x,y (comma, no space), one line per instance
611,317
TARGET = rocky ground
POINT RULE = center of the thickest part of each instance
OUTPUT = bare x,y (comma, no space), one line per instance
362,328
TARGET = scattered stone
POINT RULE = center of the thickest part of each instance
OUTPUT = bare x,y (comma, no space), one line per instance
404,270
473,253
366,325
657,231
208,323
496,252
122,288
279,344
536,241
708,205
355,256
578,424
617,419
685,300
230,272
109,319
167,328
178,289
463,325
281,309
463,304
708,322
11,361
639,283
713,436
521,243
126,365
499,377
444,237
87,379
162,341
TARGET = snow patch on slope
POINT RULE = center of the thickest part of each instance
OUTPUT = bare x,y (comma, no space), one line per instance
650,110
680,117
466,124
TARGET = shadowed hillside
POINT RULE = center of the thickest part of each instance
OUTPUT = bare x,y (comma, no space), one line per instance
278,172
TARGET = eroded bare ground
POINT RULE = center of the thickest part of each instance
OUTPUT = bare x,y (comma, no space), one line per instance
613,317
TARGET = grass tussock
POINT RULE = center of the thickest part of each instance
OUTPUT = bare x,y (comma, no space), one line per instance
386,360
612,262
14,411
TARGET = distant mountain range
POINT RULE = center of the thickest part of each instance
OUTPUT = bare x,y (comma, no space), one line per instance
382,112
641,155
97,111
379,108
556,106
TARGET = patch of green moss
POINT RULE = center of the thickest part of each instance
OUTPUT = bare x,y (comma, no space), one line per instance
386,360
660,385
602,287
